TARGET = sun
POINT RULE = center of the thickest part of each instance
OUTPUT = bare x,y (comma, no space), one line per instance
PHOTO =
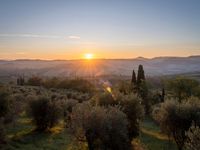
89,56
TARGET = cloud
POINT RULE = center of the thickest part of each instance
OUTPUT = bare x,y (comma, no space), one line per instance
38,36
30,36
20,53
74,37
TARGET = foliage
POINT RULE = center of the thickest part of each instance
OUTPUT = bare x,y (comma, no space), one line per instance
67,110
20,80
131,106
143,92
176,118
193,138
6,113
19,102
125,87
51,83
102,128
4,103
141,88
35,81
45,113
140,75
79,84
76,84
133,80
2,132
105,99
182,87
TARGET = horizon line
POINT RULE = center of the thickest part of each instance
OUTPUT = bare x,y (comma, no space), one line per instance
139,57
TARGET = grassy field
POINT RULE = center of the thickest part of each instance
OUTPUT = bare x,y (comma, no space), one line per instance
153,139
21,136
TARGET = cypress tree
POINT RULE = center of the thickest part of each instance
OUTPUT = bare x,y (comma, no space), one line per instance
20,80
133,81
163,95
140,76
142,89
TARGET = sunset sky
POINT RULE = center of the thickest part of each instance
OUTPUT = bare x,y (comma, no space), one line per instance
68,29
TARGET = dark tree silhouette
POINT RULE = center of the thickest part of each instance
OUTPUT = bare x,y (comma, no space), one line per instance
133,81
163,95
20,80
140,75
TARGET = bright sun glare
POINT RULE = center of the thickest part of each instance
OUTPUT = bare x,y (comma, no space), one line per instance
88,56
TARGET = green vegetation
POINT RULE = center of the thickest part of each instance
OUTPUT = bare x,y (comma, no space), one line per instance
75,113
176,118
193,135
22,136
152,137
77,84
100,127
45,113
182,88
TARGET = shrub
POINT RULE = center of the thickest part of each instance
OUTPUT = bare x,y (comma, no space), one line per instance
5,104
51,83
2,132
193,138
67,110
176,118
80,85
19,103
182,87
45,113
6,115
125,87
105,99
35,81
102,128
131,106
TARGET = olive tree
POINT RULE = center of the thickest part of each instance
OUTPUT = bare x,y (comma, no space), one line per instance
100,127
176,118
44,112
182,87
131,106
193,138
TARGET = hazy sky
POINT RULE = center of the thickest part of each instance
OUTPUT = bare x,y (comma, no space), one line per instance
66,29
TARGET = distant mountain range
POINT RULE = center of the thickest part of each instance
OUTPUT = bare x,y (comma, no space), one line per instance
98,67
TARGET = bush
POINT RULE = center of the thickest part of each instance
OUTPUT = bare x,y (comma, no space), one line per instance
6,115
35,81
193,138
176,118
124,87
182,87
19,103
5,104
45,113
105,99
67,110
2,132
102,128
79,84
131,106
51,83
